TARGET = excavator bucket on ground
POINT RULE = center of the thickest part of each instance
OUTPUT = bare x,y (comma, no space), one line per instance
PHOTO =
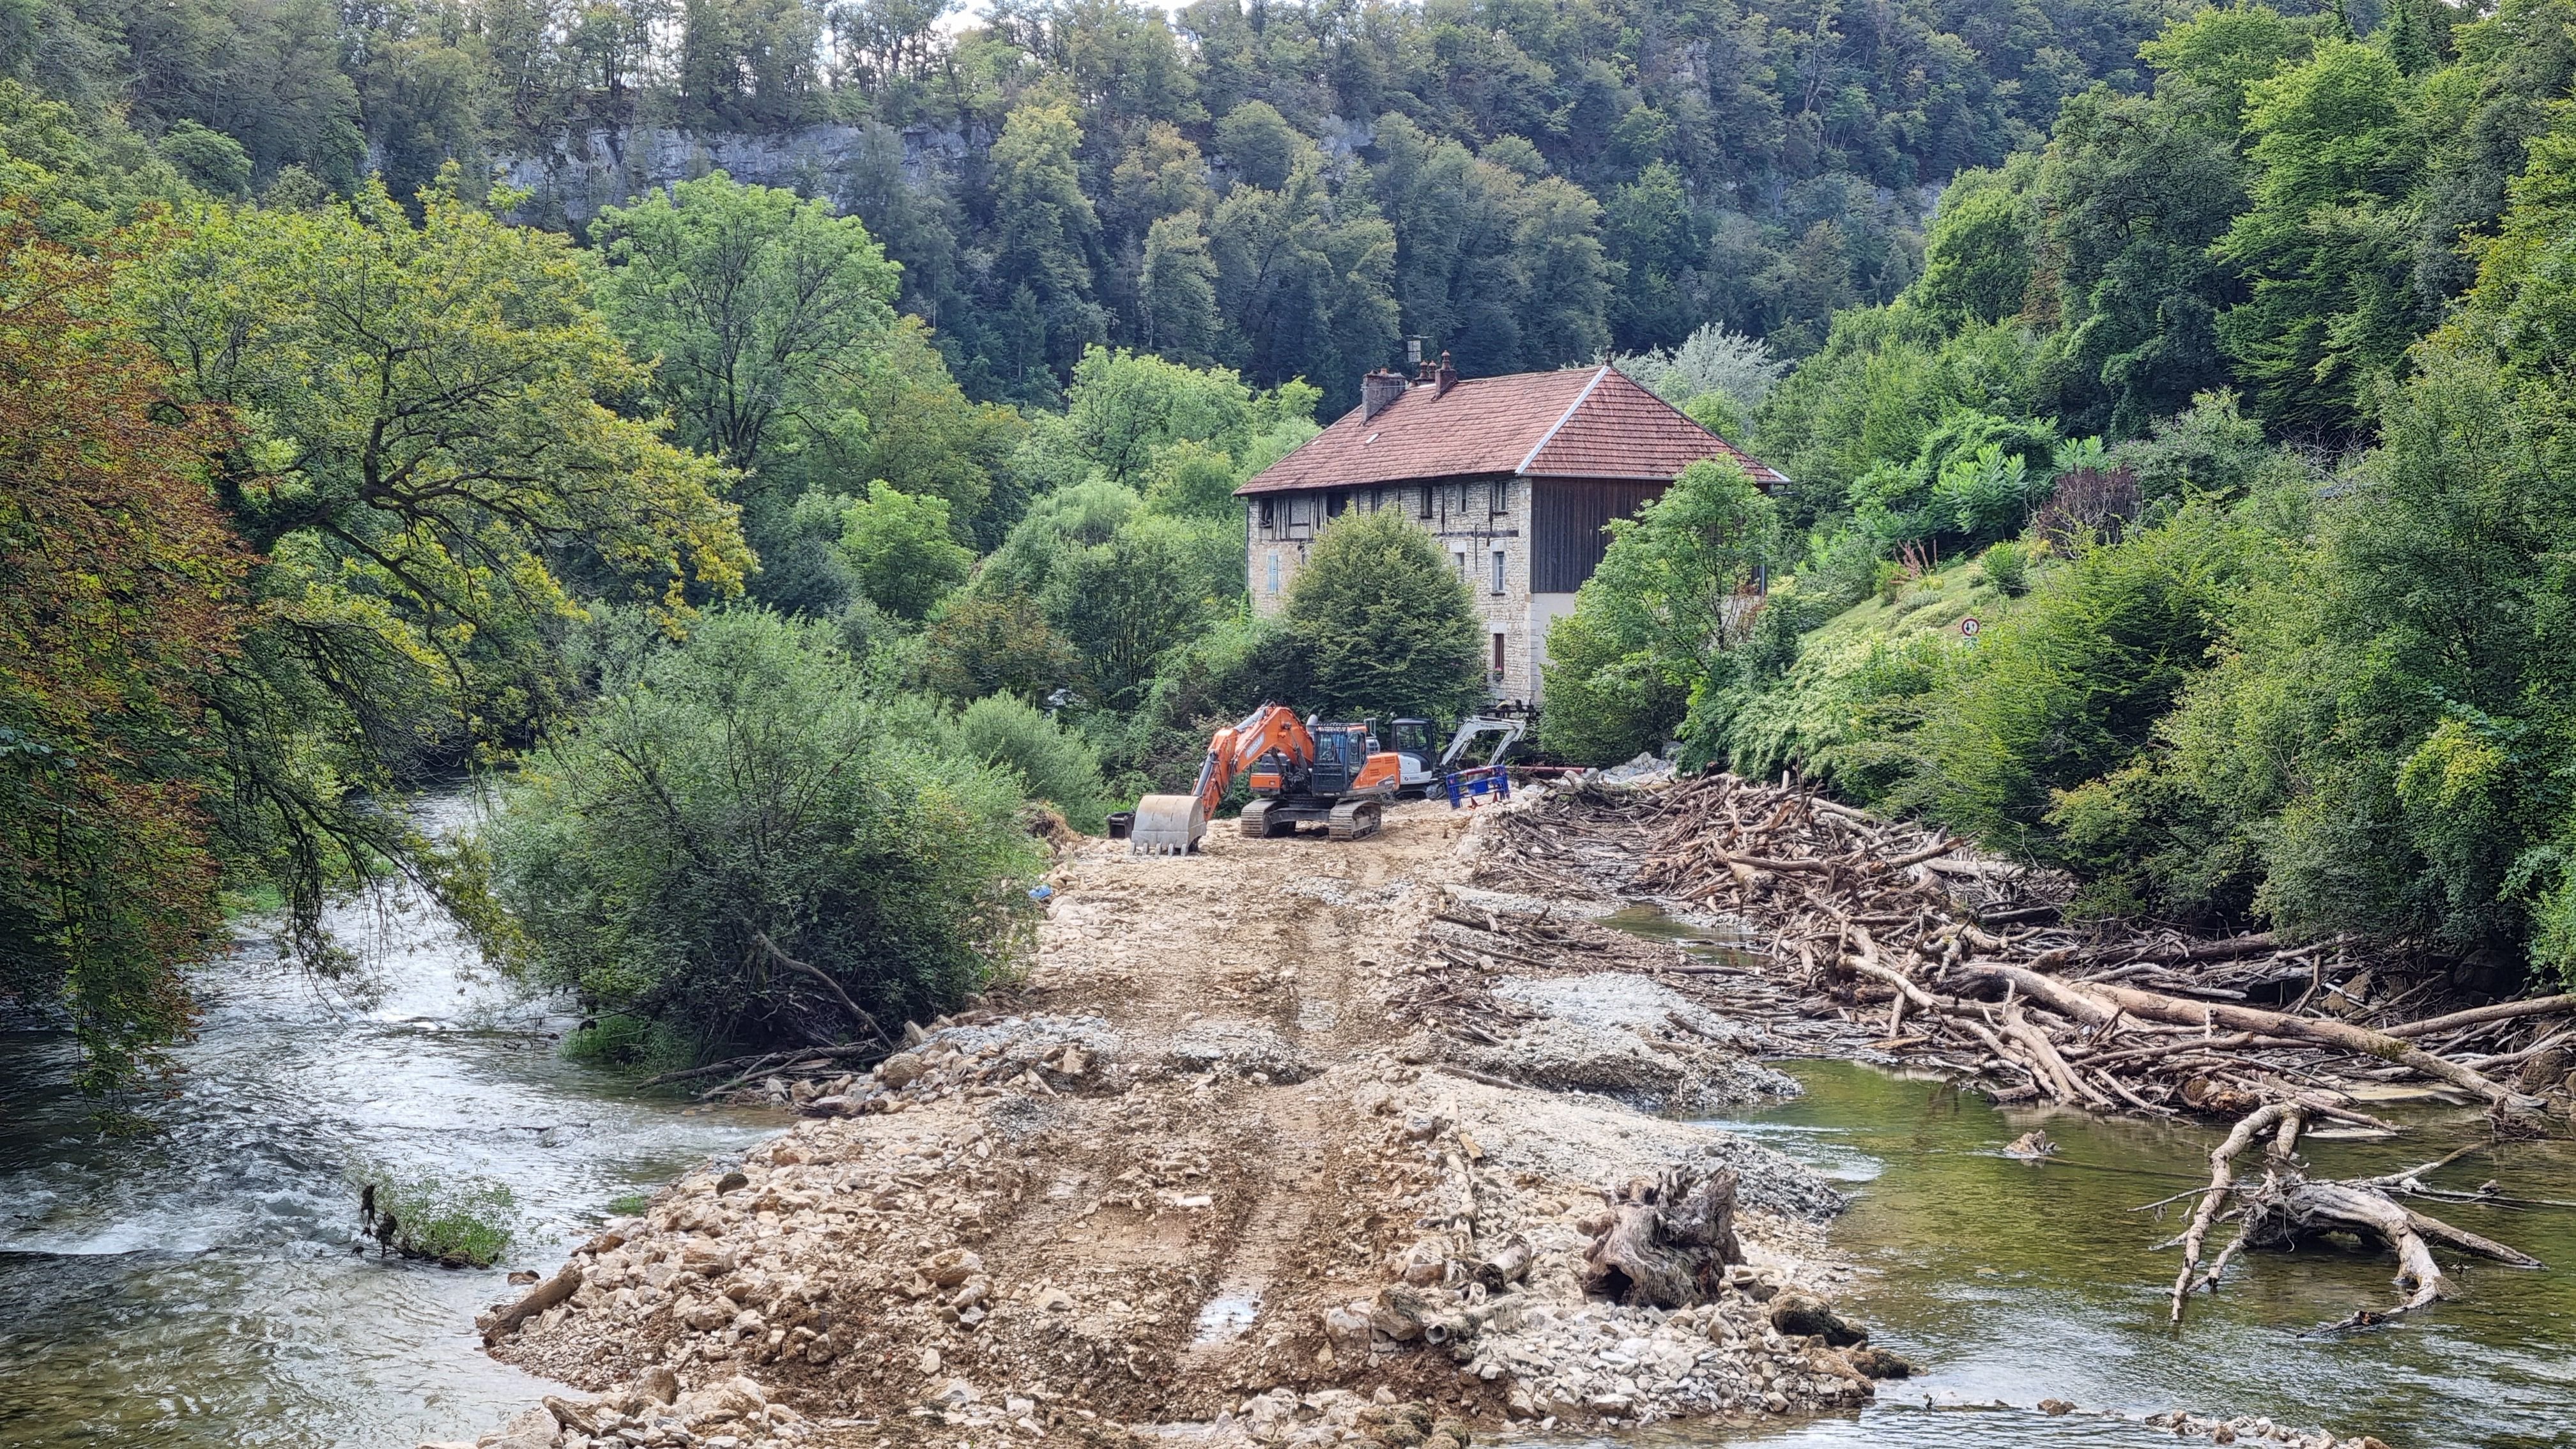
1168,825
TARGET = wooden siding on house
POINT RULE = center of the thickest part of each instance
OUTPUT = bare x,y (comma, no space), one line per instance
1567,516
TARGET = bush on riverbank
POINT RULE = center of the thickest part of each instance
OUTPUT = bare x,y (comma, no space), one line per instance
466,1223
749,841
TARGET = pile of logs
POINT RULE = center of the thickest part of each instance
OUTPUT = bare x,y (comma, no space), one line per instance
1974,966
1965,960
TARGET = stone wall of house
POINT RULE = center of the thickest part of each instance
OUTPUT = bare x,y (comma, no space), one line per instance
1484,537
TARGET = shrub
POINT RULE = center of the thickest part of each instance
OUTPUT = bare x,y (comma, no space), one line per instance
463,1223
1060,768
2007,567
1890,579
614,1039
740,841
995,641
2070,684
1604,704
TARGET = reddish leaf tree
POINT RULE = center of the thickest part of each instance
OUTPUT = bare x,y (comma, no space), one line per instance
120,592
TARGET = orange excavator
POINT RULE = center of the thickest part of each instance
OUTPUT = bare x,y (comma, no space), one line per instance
1302,771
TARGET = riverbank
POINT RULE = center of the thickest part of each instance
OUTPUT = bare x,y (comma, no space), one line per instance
1212,1160
1292,1141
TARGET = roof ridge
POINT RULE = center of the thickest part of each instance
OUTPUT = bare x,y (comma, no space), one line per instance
1570,410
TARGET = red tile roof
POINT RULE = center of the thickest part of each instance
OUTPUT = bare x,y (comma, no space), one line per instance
1578,423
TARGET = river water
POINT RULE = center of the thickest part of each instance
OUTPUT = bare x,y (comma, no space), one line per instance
198,1287
2013,1281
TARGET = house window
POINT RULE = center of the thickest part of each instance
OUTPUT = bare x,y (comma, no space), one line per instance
1334,503
1502,497
1458,552
1501,640
1498,570
1426,500
1274,573
1269,513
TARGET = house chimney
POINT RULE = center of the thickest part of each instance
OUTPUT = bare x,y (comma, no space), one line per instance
1377,389
1447,377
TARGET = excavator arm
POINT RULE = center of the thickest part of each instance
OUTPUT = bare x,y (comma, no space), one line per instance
1270,729
1173,824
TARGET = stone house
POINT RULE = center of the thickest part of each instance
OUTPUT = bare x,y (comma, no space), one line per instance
1515,476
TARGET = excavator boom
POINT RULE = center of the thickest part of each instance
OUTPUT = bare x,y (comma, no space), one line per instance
1174,824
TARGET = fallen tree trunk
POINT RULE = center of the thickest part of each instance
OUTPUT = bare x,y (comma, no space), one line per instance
540,1298
2096,1003
2476,1015
2286,1210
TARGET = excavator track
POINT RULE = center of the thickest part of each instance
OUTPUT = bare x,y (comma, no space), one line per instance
1354,820
1258,824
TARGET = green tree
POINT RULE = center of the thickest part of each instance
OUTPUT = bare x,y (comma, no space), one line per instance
1388,625
424,459
2133,192
1652,627
900,552
1176,291
739,841
1125,409
1654,236
1046,237
762,313
1153,586
1302,279
1259,144
2326,246
1977,260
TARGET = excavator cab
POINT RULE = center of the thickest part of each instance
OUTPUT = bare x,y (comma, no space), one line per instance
1341,752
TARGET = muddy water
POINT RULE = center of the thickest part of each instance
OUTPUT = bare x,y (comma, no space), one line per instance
198,1287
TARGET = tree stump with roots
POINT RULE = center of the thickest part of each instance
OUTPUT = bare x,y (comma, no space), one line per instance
1669,1240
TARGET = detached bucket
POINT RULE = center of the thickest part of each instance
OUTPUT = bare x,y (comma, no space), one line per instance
1122,824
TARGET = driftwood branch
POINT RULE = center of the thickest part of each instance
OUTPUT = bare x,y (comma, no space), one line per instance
817,973
537,1300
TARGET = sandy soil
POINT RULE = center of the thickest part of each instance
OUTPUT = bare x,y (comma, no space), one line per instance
1183,1172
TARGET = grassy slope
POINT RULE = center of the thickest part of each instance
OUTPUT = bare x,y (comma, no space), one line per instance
1841,711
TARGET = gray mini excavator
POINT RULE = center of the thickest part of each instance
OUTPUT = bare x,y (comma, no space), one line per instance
1422,770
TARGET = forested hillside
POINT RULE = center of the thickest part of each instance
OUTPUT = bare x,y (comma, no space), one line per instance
1286,189
2237,413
